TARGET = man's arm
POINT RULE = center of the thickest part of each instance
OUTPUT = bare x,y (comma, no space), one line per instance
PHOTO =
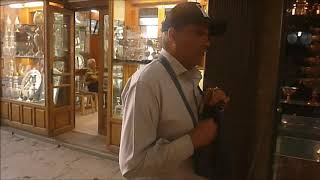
142,153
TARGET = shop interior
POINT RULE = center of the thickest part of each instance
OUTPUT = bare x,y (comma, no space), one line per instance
87,61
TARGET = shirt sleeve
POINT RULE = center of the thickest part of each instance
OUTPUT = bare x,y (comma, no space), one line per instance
142,152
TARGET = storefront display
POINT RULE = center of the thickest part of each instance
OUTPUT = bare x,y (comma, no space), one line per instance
22,52
36,69
298,131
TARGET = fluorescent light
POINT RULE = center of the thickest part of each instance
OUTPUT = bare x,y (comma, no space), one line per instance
33,4
94,11
148,21
27,5
299,33
16,6
169,6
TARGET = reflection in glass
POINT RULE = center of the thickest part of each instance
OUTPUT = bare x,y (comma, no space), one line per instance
117,89
61,96
61,64
288,92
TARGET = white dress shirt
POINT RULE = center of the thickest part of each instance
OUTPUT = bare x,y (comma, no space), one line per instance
154,139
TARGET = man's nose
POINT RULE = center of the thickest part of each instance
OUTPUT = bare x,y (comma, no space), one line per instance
206,42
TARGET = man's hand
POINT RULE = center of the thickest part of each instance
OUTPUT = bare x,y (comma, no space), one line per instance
212,96
204,133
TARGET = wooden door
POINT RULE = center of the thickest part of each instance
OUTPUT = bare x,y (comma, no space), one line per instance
61,66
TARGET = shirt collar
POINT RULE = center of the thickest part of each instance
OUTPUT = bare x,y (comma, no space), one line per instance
175,64
194,74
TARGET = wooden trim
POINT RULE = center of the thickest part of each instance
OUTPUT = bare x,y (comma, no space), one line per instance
46,69
114,149
102,112
115,120
62,74
36,130
62,130
54,4
87,4
31,104
62,85
110,57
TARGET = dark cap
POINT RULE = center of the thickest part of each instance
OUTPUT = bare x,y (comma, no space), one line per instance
192,13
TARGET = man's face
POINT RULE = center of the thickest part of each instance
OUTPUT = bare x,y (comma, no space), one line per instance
92,65
192,41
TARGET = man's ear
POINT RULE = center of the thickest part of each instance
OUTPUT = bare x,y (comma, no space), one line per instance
172,34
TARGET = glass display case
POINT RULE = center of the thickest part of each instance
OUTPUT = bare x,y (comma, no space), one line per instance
136,40
36,57
22,52
297,147
61,65
136,30
135,43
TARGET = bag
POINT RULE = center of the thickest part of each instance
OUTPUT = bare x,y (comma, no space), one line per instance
212,161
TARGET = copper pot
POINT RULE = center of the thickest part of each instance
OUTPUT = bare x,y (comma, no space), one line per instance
310,82
312,60
315,30
315,38
311,71
315,48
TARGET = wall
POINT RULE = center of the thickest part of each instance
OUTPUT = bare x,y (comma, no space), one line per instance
244,63
268,15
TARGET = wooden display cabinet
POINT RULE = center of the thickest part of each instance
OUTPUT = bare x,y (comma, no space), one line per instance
37,54
297,141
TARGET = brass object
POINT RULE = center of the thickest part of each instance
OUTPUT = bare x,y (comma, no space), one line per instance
300,7
288,92
317,153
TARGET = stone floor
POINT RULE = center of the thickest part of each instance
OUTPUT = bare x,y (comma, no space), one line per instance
87,123
94,142
24,157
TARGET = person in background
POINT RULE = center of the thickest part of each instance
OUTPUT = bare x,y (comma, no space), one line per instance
159,136
91,76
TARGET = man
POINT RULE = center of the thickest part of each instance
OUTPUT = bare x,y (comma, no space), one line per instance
158,135
91,76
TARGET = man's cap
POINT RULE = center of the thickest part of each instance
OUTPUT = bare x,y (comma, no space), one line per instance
192,13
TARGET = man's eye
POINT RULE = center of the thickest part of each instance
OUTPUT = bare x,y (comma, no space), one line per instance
199,33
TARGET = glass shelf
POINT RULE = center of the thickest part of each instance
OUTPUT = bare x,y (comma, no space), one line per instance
297,141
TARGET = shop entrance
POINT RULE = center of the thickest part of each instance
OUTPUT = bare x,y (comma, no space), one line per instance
90,70
90,75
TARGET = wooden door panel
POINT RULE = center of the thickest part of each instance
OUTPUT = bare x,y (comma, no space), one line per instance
4,110
27,115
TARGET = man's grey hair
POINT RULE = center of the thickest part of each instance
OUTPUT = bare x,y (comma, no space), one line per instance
90,61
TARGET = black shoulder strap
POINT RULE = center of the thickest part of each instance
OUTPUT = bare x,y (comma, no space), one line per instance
169,69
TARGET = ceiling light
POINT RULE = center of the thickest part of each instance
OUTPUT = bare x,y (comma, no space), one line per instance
169,6
94,11
16,5
27,5
33,4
